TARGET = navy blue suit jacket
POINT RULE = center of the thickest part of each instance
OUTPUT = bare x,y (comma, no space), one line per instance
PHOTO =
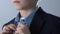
43,23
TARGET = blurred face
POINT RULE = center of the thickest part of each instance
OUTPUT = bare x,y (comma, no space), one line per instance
22,4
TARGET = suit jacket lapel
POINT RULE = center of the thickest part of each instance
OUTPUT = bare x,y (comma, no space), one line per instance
38,21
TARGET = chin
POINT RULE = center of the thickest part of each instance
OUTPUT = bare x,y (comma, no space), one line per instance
19,8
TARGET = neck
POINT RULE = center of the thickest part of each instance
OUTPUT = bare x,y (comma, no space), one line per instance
25,13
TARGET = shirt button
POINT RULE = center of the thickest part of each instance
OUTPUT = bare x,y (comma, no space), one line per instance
23,21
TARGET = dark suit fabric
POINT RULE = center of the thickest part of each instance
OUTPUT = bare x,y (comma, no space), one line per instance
43,23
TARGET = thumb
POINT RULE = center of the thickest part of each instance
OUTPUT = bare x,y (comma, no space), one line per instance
20,24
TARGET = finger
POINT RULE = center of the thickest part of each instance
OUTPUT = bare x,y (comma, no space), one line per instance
6,28
4,32
7,31
20,25
11,26
19,31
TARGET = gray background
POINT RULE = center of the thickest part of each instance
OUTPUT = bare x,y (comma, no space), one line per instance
8,12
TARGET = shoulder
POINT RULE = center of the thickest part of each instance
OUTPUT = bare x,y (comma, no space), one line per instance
52,17
53,20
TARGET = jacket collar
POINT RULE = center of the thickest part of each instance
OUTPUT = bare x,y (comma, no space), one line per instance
38,21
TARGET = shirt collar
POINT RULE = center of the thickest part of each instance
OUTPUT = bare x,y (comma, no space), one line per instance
32,13
17,18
